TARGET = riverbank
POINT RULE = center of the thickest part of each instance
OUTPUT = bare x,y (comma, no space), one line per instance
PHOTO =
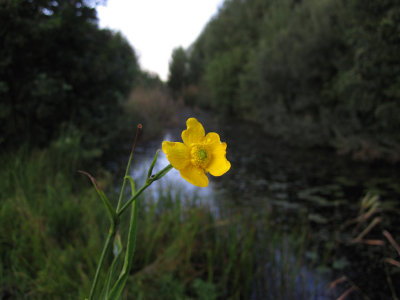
312,188
283,223
52,228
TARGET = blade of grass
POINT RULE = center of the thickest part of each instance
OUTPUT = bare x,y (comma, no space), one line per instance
374,222
130,249
111,213
128,166
392,241
113,268
393,262
149,173
106,247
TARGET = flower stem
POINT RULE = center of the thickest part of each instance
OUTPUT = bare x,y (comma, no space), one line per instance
115,220
149,181
137,194
106,247
121,195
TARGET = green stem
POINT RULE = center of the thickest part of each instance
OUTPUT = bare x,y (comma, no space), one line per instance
137,194
149,181
119,212
121,194
107,245
128,166
130,250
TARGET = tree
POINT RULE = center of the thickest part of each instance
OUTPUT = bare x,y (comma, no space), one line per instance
59,69
311,72
178,71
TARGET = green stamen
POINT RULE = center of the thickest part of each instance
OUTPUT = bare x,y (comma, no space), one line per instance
202,154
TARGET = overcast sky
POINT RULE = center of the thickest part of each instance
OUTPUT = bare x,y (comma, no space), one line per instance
155,27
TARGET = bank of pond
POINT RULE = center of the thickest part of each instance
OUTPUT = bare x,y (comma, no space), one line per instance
283,223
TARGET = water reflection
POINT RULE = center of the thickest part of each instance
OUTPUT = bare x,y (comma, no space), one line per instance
172,182
314,190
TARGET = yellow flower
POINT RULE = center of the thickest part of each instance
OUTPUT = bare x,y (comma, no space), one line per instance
198,154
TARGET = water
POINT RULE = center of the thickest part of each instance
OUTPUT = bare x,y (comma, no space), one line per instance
314,190
172,181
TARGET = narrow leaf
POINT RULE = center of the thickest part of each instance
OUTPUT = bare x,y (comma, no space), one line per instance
393,262
130,251
392,241
337,281
373,223
132,182
160,174
110,210
112,272
128,166
152,164
346,293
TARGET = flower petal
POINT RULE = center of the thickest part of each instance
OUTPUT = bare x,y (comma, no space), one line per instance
195,176
212,138
219,165
194,132
177,154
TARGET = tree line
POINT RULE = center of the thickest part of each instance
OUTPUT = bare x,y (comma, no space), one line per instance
60,72
312,72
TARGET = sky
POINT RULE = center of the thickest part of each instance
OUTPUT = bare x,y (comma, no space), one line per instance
155,27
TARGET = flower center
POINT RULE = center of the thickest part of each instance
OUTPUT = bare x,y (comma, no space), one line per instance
199,156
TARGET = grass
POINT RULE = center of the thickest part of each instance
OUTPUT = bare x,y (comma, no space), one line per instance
52,228
49,227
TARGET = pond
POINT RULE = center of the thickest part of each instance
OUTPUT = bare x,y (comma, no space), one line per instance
307,205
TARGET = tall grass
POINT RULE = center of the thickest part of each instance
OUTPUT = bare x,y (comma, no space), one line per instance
52,228
187,247
49,226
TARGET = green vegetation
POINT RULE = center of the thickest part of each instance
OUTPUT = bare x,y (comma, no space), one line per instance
315,73
178,71
52,228
47,222
59,70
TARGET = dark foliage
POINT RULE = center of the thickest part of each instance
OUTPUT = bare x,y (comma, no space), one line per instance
178,70
57,70
315,73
